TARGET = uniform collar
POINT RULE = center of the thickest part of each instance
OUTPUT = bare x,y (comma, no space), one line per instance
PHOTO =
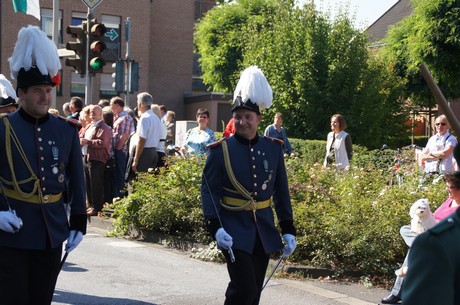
27,117
246,141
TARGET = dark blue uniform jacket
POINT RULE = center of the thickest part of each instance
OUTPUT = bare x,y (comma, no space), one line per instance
53,151
259,166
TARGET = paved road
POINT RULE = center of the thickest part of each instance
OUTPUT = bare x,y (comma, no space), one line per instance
111,271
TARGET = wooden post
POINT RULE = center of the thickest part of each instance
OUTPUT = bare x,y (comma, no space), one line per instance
453,122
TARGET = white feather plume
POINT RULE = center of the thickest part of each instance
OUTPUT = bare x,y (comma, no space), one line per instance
253,85
34,48
6,89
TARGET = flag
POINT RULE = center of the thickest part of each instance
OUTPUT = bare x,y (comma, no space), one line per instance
29,7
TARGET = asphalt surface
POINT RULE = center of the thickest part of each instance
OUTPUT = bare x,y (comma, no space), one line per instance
113,271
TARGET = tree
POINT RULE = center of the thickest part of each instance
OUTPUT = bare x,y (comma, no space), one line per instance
220,37
431,35
316,67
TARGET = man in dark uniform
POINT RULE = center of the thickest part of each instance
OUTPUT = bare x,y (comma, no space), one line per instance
433,274
8,97
243,176
40,157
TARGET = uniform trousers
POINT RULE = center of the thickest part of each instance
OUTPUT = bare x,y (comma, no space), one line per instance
28,277
247,274
94,174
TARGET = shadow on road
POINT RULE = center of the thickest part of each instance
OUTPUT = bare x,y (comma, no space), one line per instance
66,297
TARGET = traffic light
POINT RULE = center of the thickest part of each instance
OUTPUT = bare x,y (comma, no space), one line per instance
134,77
79,47
119,76
96,46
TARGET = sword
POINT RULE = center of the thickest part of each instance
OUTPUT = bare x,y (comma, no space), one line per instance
230,251
273,271
63,260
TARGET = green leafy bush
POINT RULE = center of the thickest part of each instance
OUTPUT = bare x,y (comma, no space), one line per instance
346,220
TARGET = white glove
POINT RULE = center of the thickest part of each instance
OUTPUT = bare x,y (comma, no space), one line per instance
74,239
9,222
224,240
290,244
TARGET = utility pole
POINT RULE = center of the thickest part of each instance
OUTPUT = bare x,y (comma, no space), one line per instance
56,41
127,56
88,87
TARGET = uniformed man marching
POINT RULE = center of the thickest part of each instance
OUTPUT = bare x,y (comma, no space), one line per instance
433,274
243,177
40,158
8,97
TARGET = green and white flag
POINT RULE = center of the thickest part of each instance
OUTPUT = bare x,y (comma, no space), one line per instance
29,7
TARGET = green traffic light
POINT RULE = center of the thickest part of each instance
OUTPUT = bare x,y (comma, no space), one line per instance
96,64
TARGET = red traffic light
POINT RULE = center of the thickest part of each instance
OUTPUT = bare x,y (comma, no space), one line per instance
97,29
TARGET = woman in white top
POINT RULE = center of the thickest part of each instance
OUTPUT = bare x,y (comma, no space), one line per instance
438,151
339,149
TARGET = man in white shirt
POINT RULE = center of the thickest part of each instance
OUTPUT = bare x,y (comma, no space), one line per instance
148,131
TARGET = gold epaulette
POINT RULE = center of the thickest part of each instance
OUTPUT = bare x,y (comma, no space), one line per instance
71,121
215,144
276,140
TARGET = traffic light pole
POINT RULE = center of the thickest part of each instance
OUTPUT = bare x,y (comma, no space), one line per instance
88,87
128,74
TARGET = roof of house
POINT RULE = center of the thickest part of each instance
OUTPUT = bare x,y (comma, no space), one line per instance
378,30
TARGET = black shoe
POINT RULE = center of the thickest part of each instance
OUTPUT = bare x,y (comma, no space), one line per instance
391,299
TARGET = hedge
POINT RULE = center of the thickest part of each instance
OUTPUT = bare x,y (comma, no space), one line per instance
346,220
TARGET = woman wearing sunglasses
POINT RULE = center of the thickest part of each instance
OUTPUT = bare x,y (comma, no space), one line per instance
438,151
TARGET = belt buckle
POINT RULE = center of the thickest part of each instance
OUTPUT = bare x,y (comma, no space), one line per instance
46,199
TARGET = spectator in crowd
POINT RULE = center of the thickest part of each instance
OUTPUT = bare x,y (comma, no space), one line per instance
433,276
339,149
148,132
66,109
445,210
134,115
163,113
85,121
103,103
229,129
109,181
243,176
8,97
76,105
170,122
438,151
123,127
54,111
161,148
98,136
276,131
197,138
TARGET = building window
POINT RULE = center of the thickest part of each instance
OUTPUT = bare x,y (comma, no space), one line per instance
77,86
47,25
106,85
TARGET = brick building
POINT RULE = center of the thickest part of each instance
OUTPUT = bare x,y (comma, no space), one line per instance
161,40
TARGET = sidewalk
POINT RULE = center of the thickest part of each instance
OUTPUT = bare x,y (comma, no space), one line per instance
315,281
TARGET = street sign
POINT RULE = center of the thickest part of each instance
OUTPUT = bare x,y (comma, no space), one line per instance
112,34
91,4
112,41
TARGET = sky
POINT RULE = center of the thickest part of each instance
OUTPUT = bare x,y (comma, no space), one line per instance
367,11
